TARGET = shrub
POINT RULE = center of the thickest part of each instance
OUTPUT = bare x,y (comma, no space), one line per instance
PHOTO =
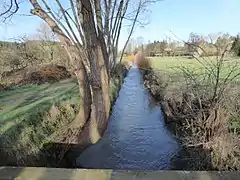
47,73
200,113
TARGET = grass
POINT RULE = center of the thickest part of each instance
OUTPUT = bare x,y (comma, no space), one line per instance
34,115
173,68
171,64
20,102
25,117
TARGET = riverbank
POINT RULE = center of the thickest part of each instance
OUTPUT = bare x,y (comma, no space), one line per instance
33,121
203,115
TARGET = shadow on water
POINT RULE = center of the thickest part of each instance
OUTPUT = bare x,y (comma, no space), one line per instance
193,158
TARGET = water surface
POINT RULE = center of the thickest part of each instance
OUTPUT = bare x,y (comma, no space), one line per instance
136,137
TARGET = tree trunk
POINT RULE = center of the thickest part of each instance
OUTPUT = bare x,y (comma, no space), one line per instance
100,106
94,92
84,86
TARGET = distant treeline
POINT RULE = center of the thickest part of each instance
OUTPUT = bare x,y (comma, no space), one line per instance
196,46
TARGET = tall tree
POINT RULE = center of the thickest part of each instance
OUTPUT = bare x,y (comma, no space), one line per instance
89,30
236,45
193,44
224,44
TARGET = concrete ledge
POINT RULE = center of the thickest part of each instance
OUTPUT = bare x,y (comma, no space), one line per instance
32,173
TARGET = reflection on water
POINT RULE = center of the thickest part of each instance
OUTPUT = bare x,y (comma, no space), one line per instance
136,137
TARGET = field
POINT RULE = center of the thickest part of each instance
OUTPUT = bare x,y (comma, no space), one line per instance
173,63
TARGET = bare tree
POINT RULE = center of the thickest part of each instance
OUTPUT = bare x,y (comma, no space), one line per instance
48,41
89,31
45,33
131,46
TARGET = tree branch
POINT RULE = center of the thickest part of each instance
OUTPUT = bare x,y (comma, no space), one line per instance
132,28
54,17
78,25
68,23
43,15
13,5
98,12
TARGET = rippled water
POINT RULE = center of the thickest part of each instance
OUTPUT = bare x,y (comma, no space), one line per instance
136,137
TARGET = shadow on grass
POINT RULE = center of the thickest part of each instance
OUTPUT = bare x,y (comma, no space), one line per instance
36,100
60,94
23,89
26,120
51,154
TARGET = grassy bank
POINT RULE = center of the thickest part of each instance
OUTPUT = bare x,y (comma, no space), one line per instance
32,116
201,103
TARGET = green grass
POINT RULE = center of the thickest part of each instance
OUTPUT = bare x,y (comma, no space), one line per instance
175,65
25,124
170,63
20,102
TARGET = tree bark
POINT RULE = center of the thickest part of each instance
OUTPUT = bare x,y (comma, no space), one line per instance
100,106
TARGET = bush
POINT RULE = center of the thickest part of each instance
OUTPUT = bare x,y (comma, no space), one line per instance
200,113
203,130
48,73
199,108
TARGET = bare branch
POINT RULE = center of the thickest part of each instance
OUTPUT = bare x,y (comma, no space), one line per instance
98,12
54,18
138,21
112,14
118,17
132,28
77,23
107,16
68,23
11,10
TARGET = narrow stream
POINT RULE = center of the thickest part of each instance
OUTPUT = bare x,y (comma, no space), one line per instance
136,137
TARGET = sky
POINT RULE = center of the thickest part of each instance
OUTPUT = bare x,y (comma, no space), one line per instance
166,18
